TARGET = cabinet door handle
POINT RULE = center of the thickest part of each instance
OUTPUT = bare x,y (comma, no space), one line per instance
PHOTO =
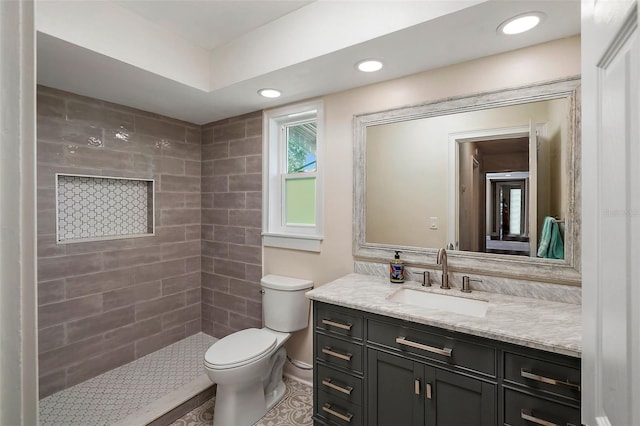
345,390
428,391
416,386
444,351
529,375
346,326
346,416
526,415
327,350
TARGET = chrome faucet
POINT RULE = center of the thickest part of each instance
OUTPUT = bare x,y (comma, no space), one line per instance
442,259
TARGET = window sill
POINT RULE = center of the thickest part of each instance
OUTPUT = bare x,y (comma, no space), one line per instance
296,242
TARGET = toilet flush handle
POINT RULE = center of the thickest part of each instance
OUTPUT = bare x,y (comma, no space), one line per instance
262,292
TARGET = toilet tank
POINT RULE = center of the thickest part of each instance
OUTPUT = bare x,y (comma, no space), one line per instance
284,306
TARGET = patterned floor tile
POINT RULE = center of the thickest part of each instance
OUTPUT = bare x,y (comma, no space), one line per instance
295,409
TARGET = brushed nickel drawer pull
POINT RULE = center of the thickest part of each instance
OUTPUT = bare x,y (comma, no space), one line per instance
526,415
444,351
346,417
529,375
428,392
345,390
416,386
327,350
337,324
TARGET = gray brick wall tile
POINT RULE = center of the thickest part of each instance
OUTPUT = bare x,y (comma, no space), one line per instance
215,282
91,367
245,254
96,283
56,313
248,182
180,283
131,257
130,295
249,218
159,306
244,147
98,324
229,166
229,234
50,291
51,338
157,341
50,268
52,382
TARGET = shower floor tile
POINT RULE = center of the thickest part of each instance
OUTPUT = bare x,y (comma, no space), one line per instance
126,390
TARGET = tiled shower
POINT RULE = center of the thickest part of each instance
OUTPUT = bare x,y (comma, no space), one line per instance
104,303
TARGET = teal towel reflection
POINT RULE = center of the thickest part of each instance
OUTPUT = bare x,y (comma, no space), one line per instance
551,245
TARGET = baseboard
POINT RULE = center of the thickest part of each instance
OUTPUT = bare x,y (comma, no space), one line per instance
295,373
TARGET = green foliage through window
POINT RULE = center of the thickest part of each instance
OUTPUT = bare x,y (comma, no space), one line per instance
301,147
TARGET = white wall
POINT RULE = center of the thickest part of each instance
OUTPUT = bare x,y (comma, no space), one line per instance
543,62
18,359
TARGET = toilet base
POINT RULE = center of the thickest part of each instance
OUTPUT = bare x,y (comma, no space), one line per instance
245,404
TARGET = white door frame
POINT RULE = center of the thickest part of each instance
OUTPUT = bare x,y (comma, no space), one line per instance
18,298
455,139
610,213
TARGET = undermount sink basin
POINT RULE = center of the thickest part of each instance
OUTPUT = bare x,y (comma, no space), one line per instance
443,302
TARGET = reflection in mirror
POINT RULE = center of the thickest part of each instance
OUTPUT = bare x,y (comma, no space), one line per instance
483,175
477,181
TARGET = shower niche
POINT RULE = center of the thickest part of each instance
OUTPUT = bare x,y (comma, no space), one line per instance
95,208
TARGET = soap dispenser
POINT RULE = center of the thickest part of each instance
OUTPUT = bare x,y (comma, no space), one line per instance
396,269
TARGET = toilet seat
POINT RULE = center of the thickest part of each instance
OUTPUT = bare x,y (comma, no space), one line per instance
239,348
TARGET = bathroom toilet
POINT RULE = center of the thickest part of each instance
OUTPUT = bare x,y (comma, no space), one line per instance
247,365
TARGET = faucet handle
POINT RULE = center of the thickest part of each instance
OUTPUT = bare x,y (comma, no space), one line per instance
466,286
426,279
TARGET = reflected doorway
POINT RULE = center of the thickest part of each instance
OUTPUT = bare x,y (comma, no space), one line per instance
494,195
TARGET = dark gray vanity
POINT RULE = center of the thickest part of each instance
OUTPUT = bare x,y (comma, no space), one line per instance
373,369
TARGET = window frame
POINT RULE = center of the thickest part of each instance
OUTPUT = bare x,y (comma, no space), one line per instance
275,232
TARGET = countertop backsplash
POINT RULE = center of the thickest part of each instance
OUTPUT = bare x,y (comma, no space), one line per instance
509,286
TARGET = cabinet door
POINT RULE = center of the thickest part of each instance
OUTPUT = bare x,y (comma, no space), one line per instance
458,400
396,390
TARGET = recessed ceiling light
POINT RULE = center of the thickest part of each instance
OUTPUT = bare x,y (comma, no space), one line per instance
521,23
369,65
269,93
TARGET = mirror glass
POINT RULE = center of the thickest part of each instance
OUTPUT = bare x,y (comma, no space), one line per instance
468,178
492,177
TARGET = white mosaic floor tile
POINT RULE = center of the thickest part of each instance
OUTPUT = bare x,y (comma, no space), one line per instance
118,393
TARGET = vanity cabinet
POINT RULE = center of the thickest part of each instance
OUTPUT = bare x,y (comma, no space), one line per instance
541,390
339,364
405,392
432,377
375,370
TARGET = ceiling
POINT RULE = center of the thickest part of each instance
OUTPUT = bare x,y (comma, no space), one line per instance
202,61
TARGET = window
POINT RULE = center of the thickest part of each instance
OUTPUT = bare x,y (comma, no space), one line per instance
292,213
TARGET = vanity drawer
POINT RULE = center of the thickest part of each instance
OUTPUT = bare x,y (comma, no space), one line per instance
441,348
334,320
337,411
339,352
521,409
542,375
339,384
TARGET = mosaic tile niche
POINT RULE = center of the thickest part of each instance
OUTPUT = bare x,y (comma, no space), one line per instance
91,208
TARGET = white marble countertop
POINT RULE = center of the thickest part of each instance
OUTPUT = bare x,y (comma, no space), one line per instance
540,324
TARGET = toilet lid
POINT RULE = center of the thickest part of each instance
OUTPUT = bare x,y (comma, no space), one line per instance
240,347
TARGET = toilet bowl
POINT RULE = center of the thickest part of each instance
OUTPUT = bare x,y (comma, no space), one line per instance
247,365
